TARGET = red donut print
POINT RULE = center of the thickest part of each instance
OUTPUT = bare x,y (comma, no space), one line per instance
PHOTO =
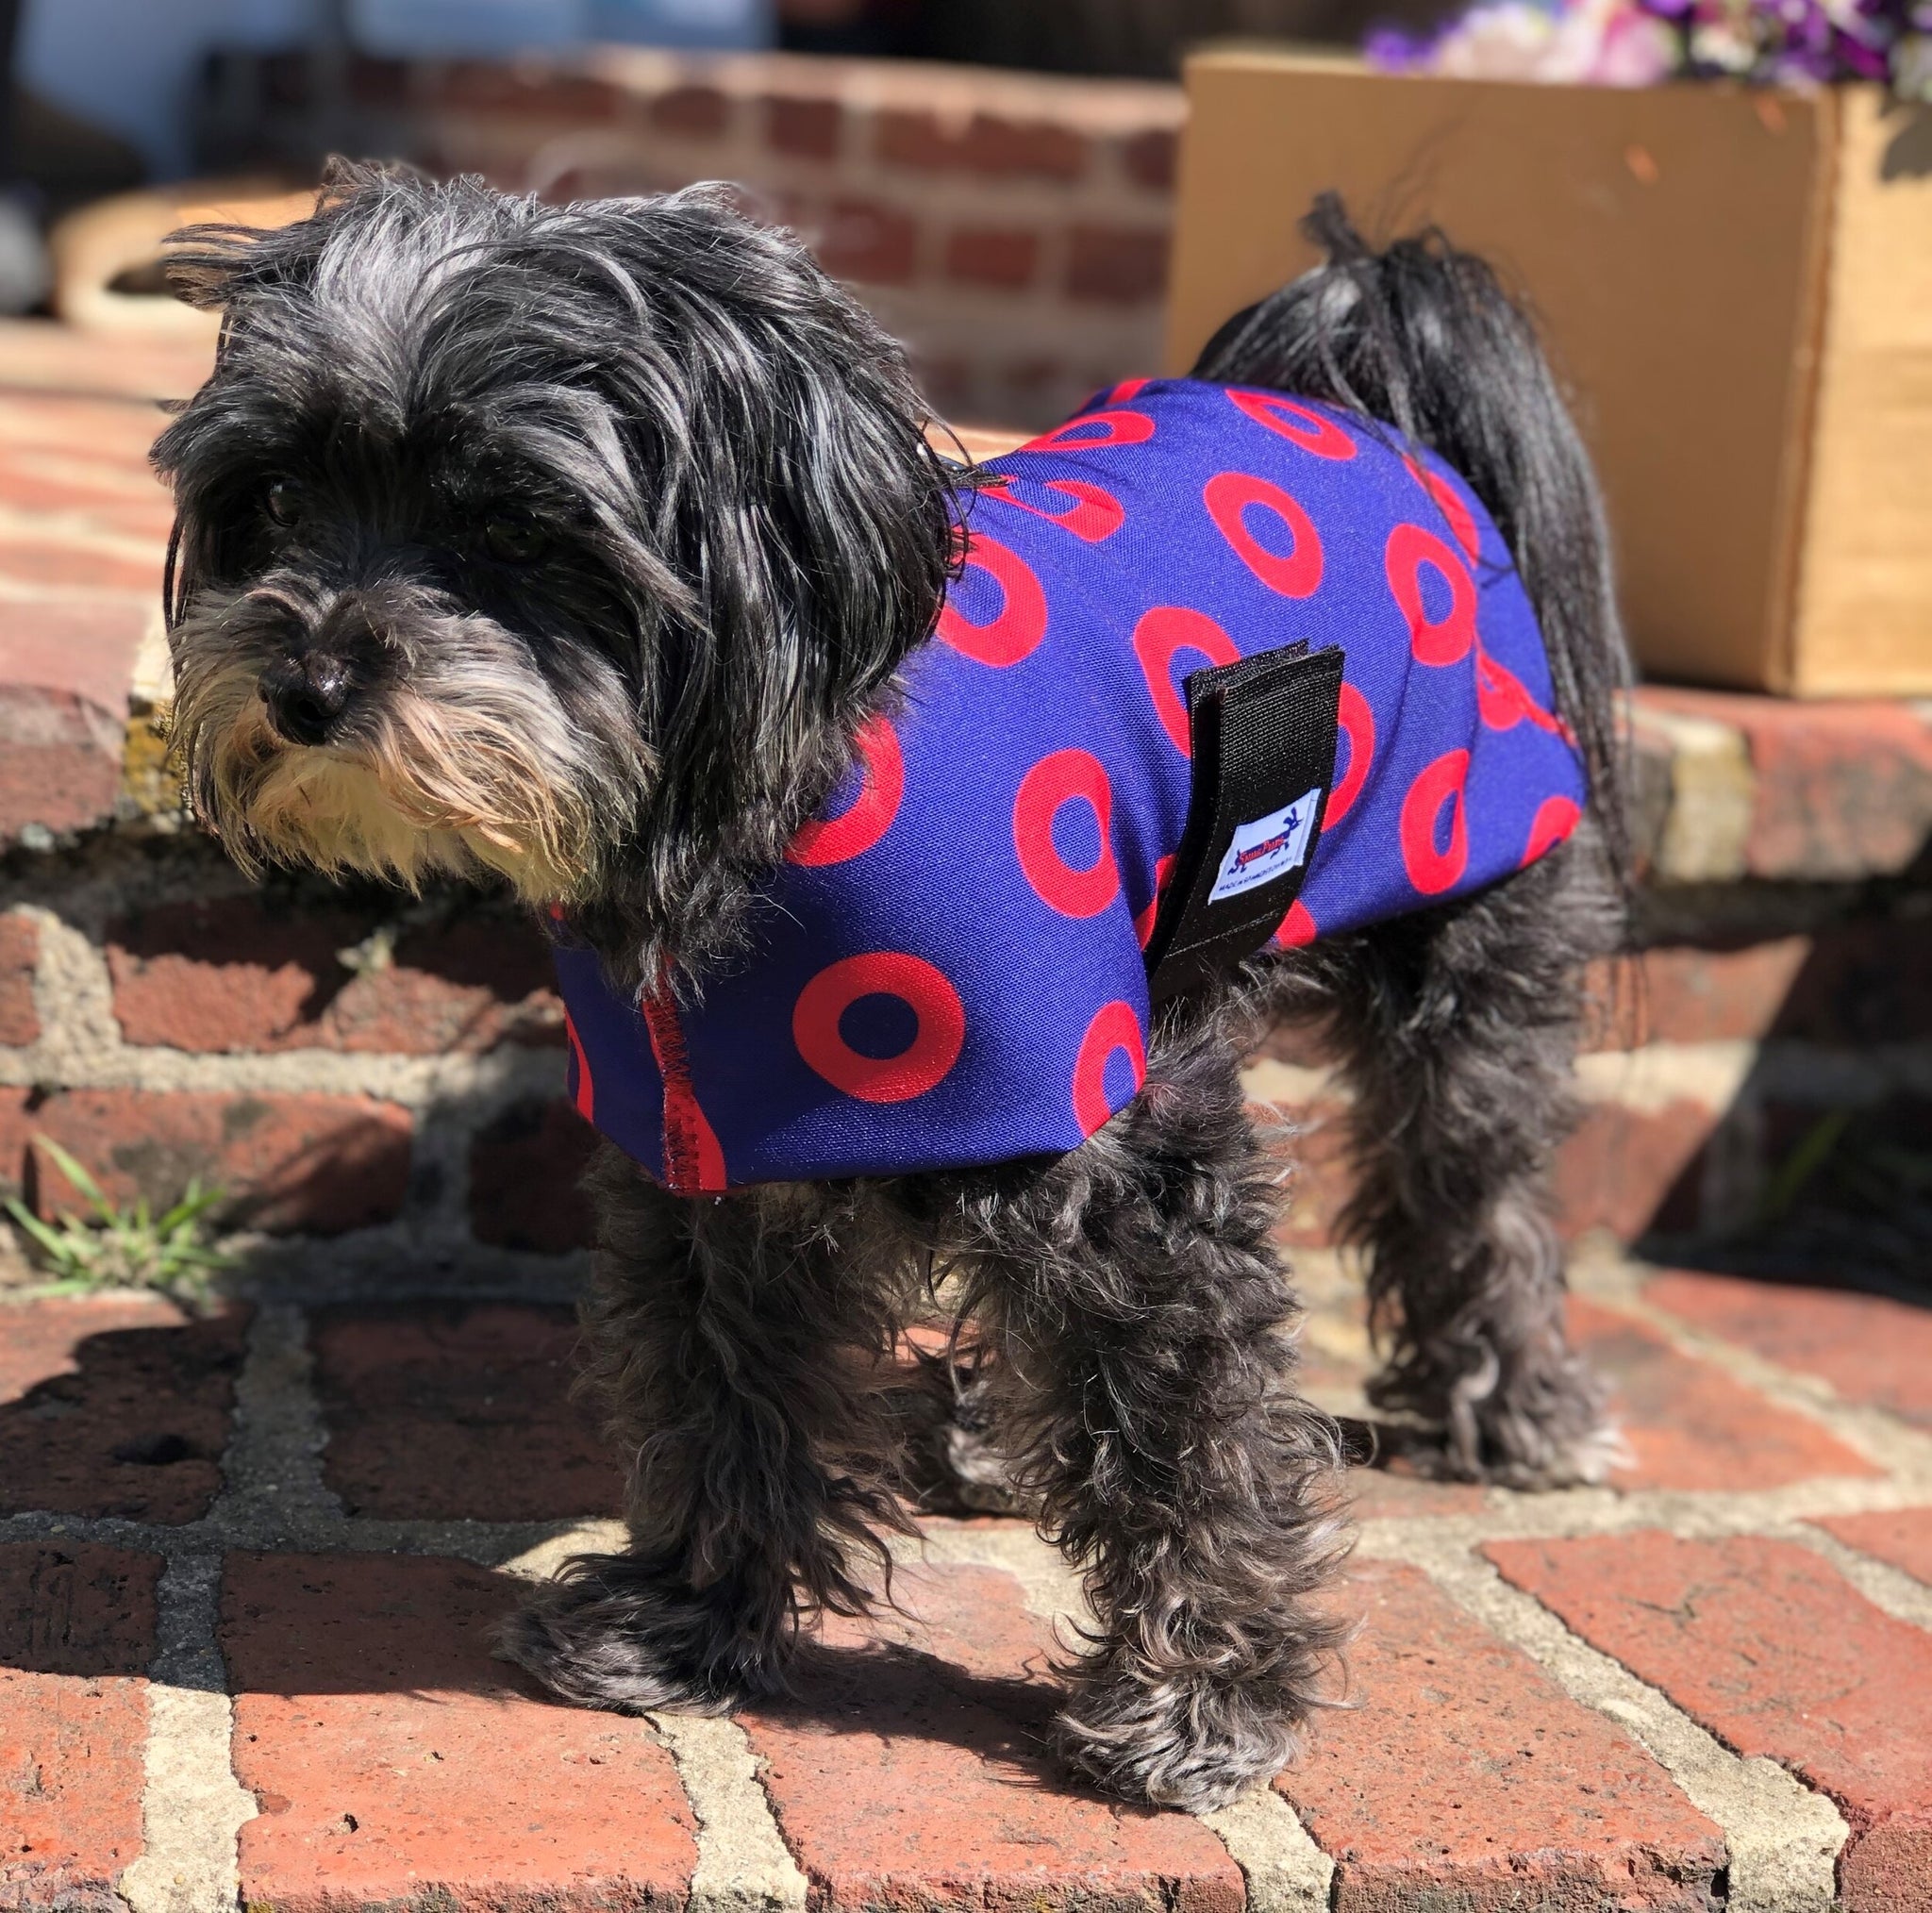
1096,514
1143,923
1447,640
1160,637
1432,870
1022,623
583,1092
1229,495
920,1066
1055,780
1356,723
1296,423
870,815
1077,435
1555,819
1128,390
1298,928
1449,503
1115,1028
1503,699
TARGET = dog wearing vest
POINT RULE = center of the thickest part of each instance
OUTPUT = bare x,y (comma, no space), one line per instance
925,848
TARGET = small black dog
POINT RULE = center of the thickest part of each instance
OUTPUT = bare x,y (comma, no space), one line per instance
575,544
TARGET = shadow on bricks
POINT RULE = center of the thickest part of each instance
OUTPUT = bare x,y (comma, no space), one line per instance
133,1421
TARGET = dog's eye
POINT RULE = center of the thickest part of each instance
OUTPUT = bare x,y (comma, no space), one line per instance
282,501
515,537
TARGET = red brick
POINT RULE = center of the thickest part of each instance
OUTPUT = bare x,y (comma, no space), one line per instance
1628,1169
76,1630
115,1407
1872,1351
694,112
285,1162
1149,158
809,129
985,144
234,976
525,1167
1116,265
1843,789
489,86
397,1764
872,244
1689,1426
908,1771
1467,1778
60,761
20,951
452,1411
52,561
1900,1535
984,256
1766,1645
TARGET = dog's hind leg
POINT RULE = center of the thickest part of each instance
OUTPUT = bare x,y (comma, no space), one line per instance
1456,1029
733,1351
1137,1308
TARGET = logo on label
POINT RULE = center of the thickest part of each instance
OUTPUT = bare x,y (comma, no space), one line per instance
1268,848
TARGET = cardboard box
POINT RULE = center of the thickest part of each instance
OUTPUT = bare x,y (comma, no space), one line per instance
1736,284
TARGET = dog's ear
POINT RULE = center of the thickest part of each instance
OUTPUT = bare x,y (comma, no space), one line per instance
781,460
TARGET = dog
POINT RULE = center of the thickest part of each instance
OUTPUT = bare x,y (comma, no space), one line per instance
601,549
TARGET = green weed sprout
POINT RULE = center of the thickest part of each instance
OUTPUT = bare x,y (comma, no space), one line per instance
124,1248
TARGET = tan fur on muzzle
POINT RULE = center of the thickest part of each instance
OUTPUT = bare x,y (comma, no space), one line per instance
425,788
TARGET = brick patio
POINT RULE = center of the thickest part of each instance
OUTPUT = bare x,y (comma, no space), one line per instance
250,1564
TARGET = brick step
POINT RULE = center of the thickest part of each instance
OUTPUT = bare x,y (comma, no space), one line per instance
397,1472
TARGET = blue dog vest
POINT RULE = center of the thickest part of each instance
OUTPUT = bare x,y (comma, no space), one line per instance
950,969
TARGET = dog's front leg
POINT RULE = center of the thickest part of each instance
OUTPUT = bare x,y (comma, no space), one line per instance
1139,1311
730,1349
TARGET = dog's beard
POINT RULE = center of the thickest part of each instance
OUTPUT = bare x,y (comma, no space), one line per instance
481,771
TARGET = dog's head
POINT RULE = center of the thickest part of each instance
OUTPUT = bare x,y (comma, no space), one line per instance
571,542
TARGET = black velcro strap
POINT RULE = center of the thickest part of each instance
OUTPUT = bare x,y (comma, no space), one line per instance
1264,732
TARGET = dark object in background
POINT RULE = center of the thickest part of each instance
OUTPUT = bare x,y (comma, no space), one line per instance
1144,39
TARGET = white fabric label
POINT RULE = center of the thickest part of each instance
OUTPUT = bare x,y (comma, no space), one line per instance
1269,847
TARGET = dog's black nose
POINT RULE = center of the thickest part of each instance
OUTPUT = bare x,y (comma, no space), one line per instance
306,696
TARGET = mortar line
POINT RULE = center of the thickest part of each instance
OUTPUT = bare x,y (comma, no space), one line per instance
1782,1838
193,1807
1882,1437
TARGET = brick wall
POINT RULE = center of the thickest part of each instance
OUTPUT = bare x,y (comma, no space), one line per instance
1012,229
390,1073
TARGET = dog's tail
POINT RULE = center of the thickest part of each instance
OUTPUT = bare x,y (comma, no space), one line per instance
1424,337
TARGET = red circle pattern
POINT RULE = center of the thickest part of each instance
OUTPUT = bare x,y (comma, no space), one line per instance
1229,495
1022,623
923,1064
1076,435
1095,516
1114,1028
870,815
1296,423
1555,819
1159,637
1444,641
1297,929
1356,720
1061,778
1461,523
1432,870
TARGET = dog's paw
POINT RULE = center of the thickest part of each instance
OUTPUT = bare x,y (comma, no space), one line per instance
613,1632
1194,1744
